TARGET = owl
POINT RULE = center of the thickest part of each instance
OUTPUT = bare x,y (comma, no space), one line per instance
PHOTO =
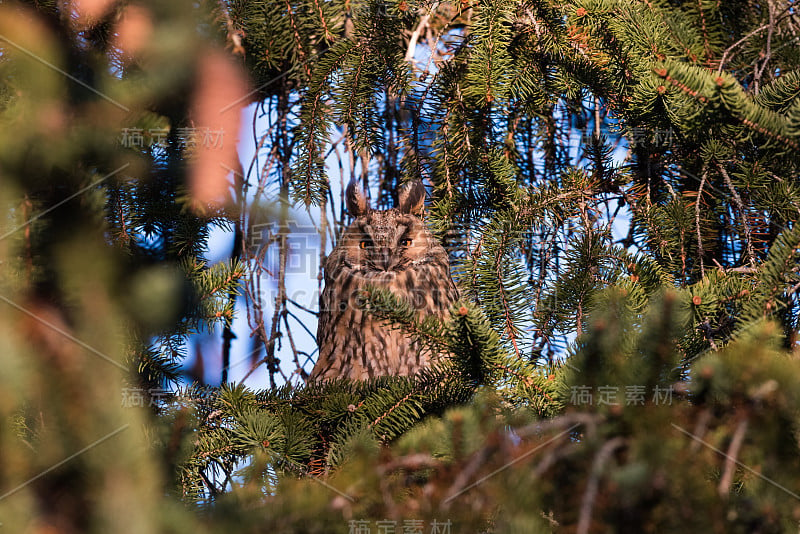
389,249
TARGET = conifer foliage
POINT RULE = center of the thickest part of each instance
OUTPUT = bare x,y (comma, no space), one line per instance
616,182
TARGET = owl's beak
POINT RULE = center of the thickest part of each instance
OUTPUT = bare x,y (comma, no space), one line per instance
384,258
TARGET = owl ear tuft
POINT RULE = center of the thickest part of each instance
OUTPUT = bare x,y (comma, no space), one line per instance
355,199
412,198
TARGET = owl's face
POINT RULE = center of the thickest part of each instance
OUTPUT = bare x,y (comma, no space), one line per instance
381,245
385,242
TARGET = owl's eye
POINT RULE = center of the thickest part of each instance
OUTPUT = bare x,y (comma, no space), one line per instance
363,244
405,242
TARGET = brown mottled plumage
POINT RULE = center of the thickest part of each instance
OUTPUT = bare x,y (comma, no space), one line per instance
391,249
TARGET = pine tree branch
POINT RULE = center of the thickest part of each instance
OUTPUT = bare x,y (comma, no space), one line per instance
297,38
412,43
592,486
700,251
750,253
731,463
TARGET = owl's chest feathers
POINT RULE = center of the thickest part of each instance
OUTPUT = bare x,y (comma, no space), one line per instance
420,285
353,342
